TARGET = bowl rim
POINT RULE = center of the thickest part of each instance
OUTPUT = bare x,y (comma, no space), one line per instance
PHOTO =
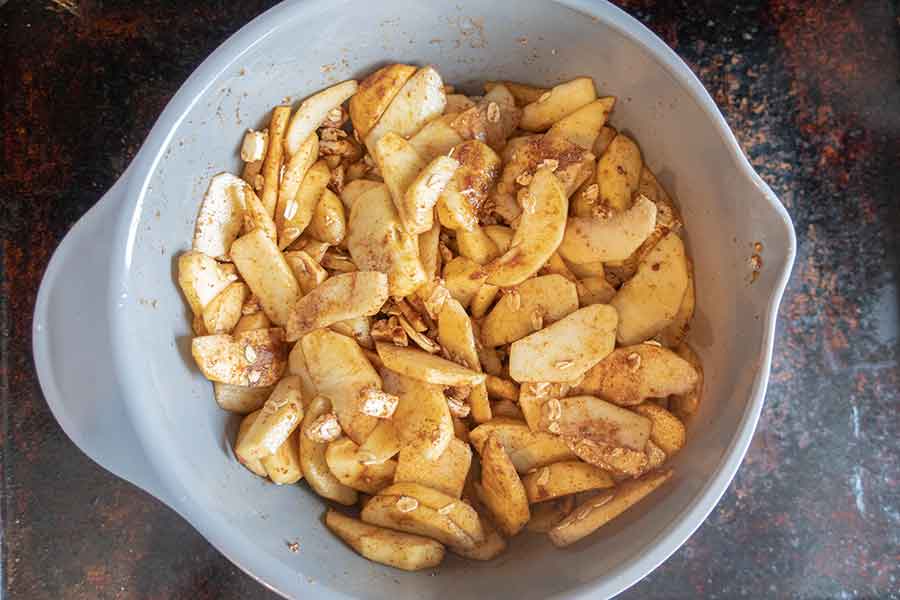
174,475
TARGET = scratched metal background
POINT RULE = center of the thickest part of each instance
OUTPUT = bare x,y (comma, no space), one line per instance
811,89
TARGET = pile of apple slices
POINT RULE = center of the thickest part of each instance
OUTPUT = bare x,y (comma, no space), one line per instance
461,316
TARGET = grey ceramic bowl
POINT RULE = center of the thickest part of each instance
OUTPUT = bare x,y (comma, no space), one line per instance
111,331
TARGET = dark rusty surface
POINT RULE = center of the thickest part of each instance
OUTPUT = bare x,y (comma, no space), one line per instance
811,90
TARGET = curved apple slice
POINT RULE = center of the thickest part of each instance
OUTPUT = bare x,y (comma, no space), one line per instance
342,297
649,301
386,546
354,470
312,112
589,240
221,216
312,458
539,234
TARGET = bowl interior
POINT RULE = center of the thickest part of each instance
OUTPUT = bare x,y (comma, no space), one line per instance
300,47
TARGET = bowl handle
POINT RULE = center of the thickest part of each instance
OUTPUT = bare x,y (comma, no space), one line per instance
72,347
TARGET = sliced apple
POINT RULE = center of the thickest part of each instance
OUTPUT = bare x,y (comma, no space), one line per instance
584,125
594,290
686,404
312,457
254,358
386,546
419,101
447,474
459,511
502,490
278,418
295,213
491,120
254,465
618,173
590,239
523,93
667,430
430,254
604,139
202,279
457,103
377,241
437,138
463,278
356,470
565,350
417,206
559,102
571,164
274,160
283,465
354,190
221,217
222,314
312,113
468,189
341,297
426,367
308,273
399,164
265,270
456,336
539,233
482,300
382,444
673,334
590,418
536,303
375,93
501,235
622,462
527,449
329,221
547,515
564,478
342,373
476,245
631,374
649,301
599,510
240,399
295,170
422,417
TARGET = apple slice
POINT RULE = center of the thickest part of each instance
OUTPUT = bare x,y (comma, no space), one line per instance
589,239
419,101
375,93
342,373
313,111
539,233
386,546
